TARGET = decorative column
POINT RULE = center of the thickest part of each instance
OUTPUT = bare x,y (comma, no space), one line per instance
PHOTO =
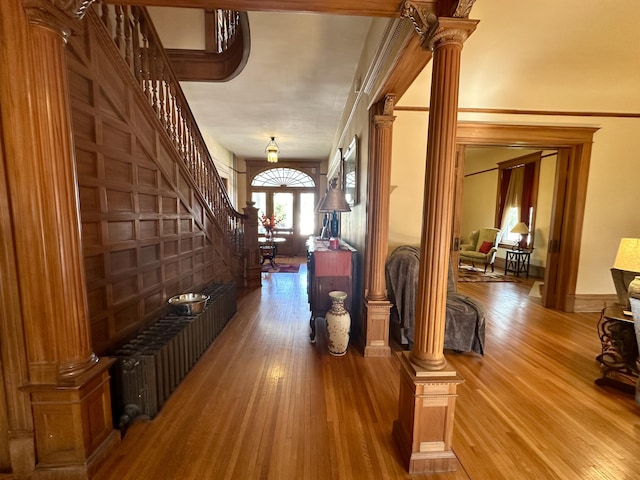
68,385
376,304
428,387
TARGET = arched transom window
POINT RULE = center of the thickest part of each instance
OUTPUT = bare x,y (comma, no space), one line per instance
283,177
290,195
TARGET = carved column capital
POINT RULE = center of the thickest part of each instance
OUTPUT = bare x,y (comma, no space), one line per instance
61,16
451,30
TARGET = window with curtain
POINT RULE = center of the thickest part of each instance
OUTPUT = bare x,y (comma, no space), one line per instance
517,195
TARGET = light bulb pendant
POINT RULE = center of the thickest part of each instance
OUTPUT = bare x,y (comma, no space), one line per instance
272,151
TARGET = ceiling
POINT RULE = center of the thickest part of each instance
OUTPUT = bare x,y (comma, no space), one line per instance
543,54
293,87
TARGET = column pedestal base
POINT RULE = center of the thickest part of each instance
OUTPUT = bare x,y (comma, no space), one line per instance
73,425
377,313
423,431
85,471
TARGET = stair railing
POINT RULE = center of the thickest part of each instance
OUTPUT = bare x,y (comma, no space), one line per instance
227,23
139,45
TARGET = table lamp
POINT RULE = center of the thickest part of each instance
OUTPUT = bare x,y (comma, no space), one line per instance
626,270
521,229
324,233
334,202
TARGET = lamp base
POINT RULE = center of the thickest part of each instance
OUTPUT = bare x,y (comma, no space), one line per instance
335,225
622,279
634,287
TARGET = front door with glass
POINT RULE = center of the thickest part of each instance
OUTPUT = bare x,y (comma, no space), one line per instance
285,199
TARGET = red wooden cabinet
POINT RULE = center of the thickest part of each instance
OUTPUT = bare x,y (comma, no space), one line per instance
328,270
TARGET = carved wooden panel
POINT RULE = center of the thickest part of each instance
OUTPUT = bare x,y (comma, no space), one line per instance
146,233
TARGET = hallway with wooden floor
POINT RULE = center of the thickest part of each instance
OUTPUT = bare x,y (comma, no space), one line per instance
264,403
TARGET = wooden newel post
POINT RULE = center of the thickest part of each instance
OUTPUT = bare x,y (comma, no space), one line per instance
428,391
252,267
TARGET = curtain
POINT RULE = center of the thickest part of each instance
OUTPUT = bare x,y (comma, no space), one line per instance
513,197
527,193
504,186
517,193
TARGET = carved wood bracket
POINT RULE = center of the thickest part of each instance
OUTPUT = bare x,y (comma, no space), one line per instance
389,104
61,16
428,26
386,118
463,9
424,22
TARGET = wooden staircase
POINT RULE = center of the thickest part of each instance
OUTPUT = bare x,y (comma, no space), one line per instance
156,218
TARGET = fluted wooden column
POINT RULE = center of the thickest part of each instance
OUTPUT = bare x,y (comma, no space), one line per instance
50,235
438,197
376,304
428,391
68,385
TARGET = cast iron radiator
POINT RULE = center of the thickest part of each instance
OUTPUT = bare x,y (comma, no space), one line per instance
150,366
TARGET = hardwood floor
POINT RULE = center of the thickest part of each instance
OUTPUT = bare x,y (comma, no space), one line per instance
264,403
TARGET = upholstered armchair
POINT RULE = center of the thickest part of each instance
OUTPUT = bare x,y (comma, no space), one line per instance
481,248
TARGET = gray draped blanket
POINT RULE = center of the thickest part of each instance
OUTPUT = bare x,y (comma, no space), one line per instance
465,319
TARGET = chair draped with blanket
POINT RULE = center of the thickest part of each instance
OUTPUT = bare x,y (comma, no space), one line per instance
482,247
464,320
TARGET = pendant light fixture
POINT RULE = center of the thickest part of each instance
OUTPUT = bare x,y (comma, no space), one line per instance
272,151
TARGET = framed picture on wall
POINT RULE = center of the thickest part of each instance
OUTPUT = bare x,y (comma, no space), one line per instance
337,160
349,179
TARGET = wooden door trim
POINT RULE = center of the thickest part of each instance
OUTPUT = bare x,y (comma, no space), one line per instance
456,239
550,292
567,230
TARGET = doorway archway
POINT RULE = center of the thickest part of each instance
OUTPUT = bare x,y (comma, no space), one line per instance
289,192
574,155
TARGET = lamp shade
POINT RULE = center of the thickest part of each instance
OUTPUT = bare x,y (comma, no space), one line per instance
520,228
334,201
628,257
272,151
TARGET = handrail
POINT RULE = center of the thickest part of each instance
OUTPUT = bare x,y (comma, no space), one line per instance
139,45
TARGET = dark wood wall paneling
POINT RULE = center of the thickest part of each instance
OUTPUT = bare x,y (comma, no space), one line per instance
146,233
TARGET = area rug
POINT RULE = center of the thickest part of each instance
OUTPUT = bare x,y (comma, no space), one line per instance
469,274
281,268
536,290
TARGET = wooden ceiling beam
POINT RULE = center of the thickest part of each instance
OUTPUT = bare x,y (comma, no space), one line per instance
411,61
370,8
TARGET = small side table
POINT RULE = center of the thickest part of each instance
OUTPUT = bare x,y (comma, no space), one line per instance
517,261
619,350
269,249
